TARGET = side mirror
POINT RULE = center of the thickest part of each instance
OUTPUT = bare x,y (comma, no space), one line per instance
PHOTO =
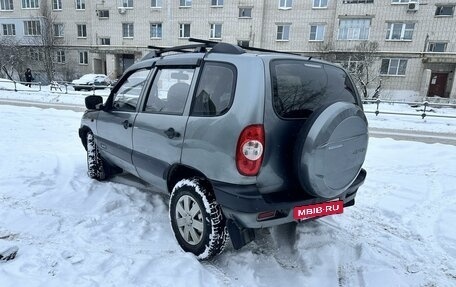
93,102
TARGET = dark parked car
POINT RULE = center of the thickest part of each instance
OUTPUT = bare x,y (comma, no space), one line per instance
240,140
91,82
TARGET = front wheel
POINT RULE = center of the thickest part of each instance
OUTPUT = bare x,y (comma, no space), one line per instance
197,219
96,167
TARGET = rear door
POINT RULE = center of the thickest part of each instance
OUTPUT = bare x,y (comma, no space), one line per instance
114,124
160,125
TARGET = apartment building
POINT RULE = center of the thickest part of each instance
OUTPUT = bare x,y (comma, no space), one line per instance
416,40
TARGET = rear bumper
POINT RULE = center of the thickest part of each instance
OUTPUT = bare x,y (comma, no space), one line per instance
243,203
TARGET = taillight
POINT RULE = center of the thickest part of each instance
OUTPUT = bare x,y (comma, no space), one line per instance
249,150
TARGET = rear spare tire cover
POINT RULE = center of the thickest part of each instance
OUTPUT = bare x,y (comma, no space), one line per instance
330,149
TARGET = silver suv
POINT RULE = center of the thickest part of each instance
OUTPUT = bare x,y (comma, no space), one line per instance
240,140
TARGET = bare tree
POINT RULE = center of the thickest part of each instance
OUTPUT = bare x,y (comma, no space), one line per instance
47,42
45,45
366,54
65,72
13,58
326,51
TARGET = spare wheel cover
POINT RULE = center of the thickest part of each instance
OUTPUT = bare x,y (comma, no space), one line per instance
330,149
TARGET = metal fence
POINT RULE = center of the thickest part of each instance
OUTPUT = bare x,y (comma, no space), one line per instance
423,108
55,86
36,86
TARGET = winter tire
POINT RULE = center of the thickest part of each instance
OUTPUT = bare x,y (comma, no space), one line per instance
197,219
96,166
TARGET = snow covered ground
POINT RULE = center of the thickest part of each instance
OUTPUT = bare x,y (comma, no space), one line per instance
73,231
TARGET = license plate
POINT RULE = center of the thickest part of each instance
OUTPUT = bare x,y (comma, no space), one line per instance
317,210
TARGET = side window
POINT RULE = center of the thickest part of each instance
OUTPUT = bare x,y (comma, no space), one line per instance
126,97
169,91
215,90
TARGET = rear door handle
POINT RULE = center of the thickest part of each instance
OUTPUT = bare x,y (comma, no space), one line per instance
171,133
127,124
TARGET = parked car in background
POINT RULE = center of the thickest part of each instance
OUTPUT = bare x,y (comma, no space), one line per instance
91,81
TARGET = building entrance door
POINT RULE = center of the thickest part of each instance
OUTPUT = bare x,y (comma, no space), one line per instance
127,61
438,84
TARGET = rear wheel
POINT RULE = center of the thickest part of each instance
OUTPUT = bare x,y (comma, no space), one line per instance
197,219
97,168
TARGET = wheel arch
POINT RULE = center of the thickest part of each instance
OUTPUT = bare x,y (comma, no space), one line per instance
178,172
83,131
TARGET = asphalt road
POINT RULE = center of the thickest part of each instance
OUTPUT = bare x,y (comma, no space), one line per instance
405,135
419,136
56,106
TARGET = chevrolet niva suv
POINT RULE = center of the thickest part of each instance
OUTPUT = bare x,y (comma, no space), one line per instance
240,140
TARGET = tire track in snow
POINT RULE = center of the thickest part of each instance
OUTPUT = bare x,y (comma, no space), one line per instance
368,229
433,207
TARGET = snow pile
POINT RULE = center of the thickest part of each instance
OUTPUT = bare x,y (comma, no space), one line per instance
73,231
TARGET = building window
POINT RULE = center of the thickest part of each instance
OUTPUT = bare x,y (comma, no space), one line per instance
285,4
217,3
127,30
400,31
283,32
103,14
80,5
36,55
184,30
57,4
357,1
354,29
353,66
437,46
6,5
185,3
82,30
245,12
395,67
105,41
156,3
443,10
317,32
58,30
30,4
400,1
127,3
216,31
32,28
60,56
83,58
320,4
9,29
156,30
244,43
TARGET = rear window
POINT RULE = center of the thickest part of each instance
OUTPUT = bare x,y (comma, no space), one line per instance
300,87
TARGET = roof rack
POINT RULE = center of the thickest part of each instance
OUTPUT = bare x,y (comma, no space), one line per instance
204,46
181,48
267,50
209,43
219,47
